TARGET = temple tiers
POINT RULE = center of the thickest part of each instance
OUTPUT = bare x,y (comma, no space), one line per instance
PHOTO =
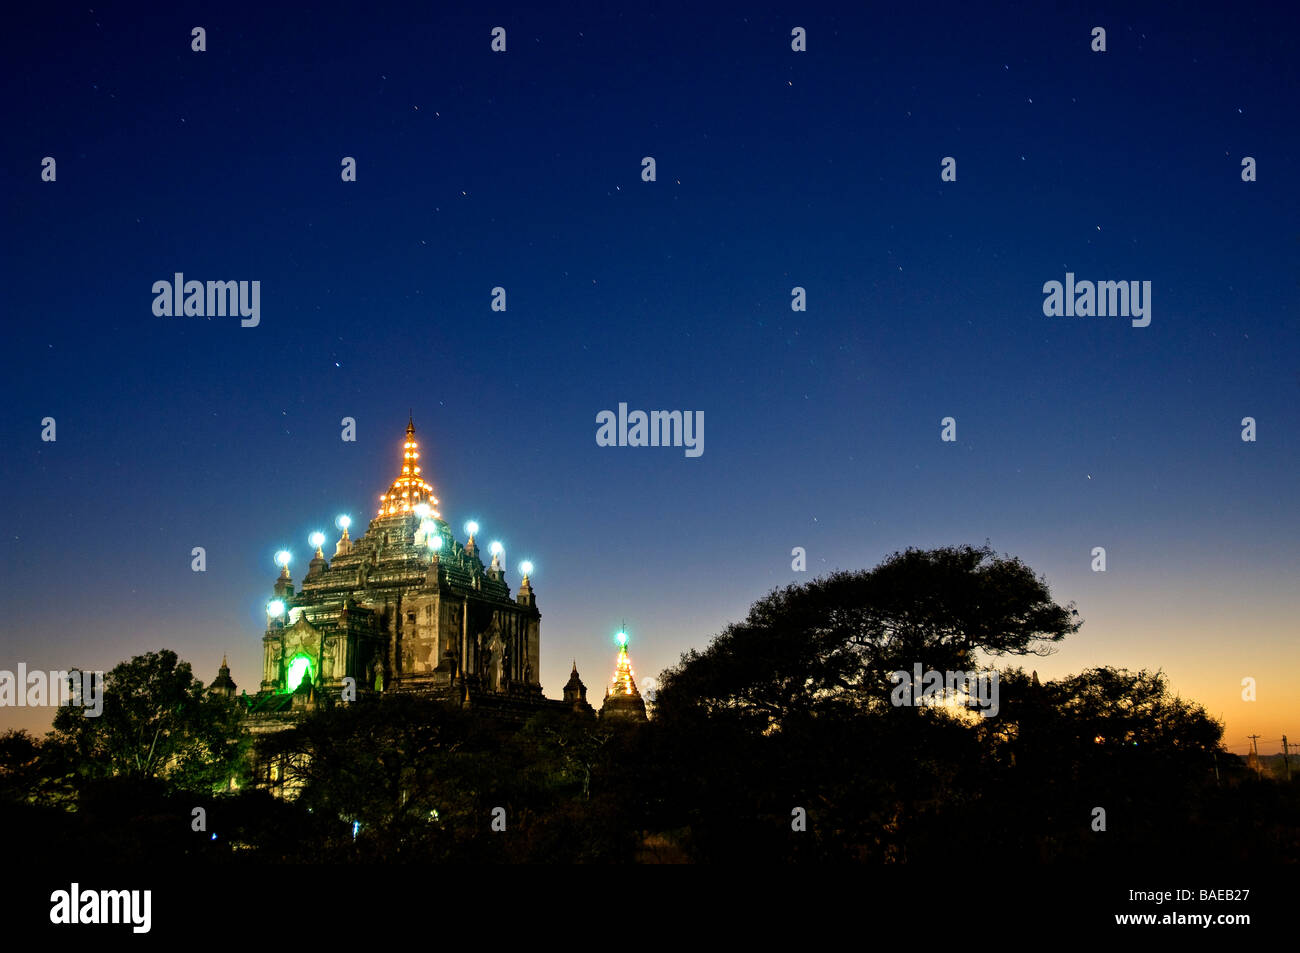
406,607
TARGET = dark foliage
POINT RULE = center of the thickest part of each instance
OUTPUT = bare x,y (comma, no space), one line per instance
785,714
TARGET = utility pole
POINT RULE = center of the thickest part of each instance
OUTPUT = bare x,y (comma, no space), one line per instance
1254,745
1285,759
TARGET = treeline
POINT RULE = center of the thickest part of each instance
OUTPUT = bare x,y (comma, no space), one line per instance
782,741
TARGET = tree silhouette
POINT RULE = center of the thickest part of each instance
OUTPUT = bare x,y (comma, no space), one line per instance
157,722
834,641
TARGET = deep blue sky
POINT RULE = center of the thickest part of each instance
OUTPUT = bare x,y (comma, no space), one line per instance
775,169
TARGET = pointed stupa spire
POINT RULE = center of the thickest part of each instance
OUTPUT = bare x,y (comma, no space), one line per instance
410,489
223,684
318,563
283,582
624,681
622,699
344,545
575,693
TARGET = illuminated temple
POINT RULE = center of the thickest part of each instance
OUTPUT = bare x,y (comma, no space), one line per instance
622,698
406,607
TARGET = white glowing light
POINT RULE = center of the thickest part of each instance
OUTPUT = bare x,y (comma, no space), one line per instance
282,558
298,667
422,511
275,609
526,568
435,542
316,539
343,522
471,528
496,549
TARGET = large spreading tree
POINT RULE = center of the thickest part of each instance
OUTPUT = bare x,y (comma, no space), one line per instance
158,722
835,640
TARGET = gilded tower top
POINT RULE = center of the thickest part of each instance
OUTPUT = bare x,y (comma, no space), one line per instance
622,699
624,681
410,489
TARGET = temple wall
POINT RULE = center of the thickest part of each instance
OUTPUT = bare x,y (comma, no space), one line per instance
421,615
534,640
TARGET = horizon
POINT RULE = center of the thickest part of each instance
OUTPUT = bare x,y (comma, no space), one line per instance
594,654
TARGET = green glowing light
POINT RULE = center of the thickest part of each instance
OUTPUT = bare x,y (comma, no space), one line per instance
299,666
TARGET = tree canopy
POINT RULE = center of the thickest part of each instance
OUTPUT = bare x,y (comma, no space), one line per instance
779,741
836,639
157,722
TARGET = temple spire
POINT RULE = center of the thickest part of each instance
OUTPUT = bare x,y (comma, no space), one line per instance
624,681
410,489
344,545
622,699
575,693
223,684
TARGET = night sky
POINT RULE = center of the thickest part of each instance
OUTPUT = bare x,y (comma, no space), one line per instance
775,169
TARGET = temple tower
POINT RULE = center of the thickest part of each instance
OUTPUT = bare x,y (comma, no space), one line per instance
622,699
